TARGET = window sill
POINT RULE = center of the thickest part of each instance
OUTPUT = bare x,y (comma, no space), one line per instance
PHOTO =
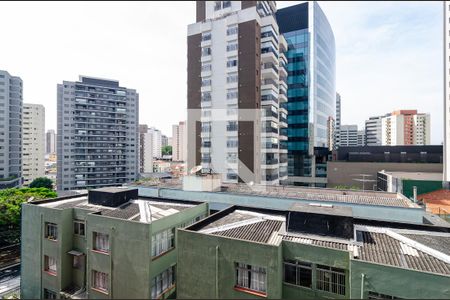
51,240
51,273
100,252
160,296
297,286
162,254
251,292
105,292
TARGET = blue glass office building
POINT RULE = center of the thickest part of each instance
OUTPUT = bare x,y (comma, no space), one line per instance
311,90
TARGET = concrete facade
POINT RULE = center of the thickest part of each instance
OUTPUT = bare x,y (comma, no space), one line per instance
50,142
97,141
33,127
11,105
129,262
179,142
405,127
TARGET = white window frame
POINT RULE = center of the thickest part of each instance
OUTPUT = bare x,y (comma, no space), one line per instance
51,231
101,242
100,281
251,278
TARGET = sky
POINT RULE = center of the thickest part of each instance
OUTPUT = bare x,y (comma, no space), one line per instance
388,54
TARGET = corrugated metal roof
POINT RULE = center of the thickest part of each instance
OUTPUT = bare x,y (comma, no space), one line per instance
316,242
381,248
439,243
257,232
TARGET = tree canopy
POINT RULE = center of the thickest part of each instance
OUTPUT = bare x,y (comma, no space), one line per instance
166,150
11,200
42,182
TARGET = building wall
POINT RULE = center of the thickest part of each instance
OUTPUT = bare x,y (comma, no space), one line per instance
397,282
33,127
50,141
179,139
348,135
373,131
446,107
11,98
212,259
343,173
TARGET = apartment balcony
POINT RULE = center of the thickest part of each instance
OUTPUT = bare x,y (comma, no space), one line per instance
206,88
232,53
205,149
269,99
205,43
283,137
282,97
206,73
269,70
205,103
269,57
283,72
206,58
269,84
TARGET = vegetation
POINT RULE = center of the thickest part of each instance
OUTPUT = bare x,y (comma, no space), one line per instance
42,182
11,200
166,150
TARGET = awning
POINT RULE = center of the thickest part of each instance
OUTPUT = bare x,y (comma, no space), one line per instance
75,253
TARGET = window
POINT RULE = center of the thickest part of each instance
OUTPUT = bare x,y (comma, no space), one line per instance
206,82
163,241
232,94
226,4
206,96
232,46
330,279
49,294
78,228
100,281
77,262
50,264
51,231
217,5
232,30
232,78
206,51
251,277
206,36
206,67
375,295
162,282
232,63
298,273
101,242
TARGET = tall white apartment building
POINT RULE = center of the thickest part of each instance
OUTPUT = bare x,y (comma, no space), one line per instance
236,85
337,126
33,142
446,60
405,127
11,103
361,138
373,130
157,141
147,152
179,141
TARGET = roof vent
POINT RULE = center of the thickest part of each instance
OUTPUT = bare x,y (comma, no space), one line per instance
112,196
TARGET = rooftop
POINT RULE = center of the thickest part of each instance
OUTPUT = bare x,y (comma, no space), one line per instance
417,175
144,210
323,194
406,248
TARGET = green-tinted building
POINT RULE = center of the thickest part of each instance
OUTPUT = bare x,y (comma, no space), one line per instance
108,244
310,251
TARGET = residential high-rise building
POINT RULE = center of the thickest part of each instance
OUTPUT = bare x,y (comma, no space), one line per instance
145,150
236,87
11,100
312,90
446,60
97,141
33,152
50,141
331,133
179,140
349,135
338,121
157,141
405,127
373,130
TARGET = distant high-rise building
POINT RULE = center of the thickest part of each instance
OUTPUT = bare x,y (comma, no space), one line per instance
179,140
312,90
11,100
331,133
50,141
33,132
164,141
338,122
349,135
236,87
446,60
97,141
157,141
145,150
405,127
373,130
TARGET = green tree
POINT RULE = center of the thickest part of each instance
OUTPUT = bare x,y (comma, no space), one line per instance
42,182
166,150
11,202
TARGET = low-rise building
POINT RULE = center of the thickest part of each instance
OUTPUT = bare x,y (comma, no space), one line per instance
404,182
108,244
310,251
